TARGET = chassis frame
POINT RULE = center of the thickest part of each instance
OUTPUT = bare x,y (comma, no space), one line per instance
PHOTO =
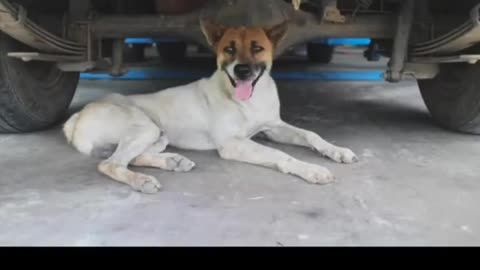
406,29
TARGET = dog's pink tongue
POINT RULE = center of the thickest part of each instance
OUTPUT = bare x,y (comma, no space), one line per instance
244,90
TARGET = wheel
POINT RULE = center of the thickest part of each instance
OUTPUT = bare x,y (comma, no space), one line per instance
371,54
172,51
33,95
453,97
320,53
135,53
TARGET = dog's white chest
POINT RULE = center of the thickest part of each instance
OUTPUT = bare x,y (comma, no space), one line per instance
257,119
246,119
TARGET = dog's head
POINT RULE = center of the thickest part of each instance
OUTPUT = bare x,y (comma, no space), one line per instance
243,54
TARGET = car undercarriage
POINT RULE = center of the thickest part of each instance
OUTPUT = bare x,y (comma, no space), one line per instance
68,36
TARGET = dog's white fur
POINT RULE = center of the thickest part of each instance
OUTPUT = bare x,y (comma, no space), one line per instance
201,115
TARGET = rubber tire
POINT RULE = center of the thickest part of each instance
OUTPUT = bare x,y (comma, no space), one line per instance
453,97
33,95
320,53
172,51
136,53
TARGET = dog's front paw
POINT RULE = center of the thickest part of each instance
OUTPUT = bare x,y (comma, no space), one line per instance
179,163
145,183
315,174
342,155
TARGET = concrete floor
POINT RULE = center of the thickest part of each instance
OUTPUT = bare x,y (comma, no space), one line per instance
416,184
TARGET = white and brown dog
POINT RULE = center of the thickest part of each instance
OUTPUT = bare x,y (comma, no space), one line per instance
221,112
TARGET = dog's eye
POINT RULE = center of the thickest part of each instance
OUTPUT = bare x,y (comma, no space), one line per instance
257,49
230,50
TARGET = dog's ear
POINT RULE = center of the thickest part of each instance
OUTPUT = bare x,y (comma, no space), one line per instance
277,32
213,32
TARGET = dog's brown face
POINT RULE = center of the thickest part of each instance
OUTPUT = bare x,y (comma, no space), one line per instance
243,54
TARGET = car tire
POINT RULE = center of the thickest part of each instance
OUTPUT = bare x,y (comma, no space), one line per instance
320,53
453,97
33,95
172,51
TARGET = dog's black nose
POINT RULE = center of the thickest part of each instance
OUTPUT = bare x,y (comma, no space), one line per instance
243,71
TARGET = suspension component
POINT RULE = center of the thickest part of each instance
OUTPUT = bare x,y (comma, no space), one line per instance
401,41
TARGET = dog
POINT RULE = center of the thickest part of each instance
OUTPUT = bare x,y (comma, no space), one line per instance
222,113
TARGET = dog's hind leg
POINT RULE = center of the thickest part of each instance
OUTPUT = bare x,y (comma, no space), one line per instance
135,142
165,161
154,157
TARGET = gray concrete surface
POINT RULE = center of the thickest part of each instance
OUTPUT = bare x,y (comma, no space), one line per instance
416,184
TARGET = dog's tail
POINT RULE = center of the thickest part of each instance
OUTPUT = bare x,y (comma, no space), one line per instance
69,127
70,130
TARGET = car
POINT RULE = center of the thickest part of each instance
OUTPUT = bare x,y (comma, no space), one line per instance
45,45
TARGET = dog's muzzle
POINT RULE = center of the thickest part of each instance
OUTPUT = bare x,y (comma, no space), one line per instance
247,77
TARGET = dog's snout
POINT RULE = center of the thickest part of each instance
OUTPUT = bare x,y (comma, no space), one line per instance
243,71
